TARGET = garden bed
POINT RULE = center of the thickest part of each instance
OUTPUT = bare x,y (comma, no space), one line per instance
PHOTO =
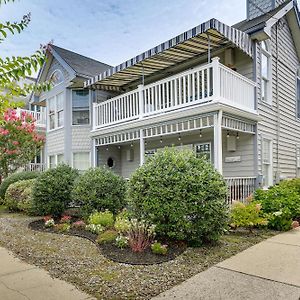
112,252
79,262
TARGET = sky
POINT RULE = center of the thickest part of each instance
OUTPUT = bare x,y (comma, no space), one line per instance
110,31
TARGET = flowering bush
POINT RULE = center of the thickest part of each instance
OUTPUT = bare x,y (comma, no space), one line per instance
19,141
140,235
158,248
105,219
49,223
122,241
64,227
122,223
247,215
107,236
79,224
94,228
65,219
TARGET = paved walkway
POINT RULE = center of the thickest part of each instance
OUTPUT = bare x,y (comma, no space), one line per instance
268,270
19,280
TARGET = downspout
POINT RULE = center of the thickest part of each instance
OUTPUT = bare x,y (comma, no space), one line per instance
277,111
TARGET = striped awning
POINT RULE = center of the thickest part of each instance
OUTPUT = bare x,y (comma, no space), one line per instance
183,47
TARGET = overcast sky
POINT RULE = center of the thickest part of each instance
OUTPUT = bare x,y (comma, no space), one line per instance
110,31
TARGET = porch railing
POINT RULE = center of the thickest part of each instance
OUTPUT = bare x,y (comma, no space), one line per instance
209,82
35,167
39,117
239,188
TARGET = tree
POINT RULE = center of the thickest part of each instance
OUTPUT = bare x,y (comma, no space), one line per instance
17,67
19,141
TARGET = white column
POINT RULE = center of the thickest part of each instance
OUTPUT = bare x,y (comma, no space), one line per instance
142,147
218,160
141,100
216,78
94,154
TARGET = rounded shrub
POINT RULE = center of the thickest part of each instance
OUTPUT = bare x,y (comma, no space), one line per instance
52,191
184,196
99,189
18,196
14,178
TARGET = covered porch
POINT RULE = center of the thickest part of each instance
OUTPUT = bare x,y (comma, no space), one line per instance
227,142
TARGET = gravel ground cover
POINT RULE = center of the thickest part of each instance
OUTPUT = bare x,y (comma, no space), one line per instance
79,261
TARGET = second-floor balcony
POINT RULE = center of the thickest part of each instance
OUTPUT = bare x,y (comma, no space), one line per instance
39,117
209,83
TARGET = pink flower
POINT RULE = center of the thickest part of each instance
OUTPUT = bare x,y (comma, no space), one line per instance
15,143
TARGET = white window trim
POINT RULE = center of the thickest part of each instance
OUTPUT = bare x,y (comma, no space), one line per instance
63,77
55,159
55,113
90,157
269,139
268,54
90,110
210,148
297,104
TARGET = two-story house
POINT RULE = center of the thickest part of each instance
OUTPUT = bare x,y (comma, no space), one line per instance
230,93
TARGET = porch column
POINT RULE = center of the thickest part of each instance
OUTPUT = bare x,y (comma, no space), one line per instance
218,161
94,154
142,147
141,100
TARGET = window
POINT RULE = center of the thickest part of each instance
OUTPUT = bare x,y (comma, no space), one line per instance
266,73
56,111
203,150
52,161
60,158
80,107
267,168
81,160
298,94
56,77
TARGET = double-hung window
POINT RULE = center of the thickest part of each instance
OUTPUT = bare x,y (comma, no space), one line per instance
267,162
56,111
80,107
266,72
203,150
81,160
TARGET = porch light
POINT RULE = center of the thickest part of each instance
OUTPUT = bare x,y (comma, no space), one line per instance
179,137
119,147
228,135
237,136
131,145
161,140
106,148
200,134
146,142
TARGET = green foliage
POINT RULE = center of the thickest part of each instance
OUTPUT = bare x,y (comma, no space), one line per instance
52,192
122,241
14,178
94,228
18,196
62,228
247,215
159,249
182,194
105,219
99,189
281,203
122,223
107,236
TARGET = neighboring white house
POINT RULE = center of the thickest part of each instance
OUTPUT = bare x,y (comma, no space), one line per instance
230,93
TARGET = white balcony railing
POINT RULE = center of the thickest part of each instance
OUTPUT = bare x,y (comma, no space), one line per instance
239,188
40,117
210,82
35,167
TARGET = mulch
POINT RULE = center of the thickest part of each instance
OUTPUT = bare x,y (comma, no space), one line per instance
112,252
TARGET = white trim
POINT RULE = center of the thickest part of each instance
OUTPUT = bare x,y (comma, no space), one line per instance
63,77
56,111
270,171
72,158
218,159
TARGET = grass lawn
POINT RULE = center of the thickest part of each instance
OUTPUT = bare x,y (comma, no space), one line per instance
78,261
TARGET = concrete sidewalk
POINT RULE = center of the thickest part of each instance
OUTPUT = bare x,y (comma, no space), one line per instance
19,280
268,270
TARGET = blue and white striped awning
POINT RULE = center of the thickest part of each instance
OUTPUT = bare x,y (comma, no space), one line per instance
183,47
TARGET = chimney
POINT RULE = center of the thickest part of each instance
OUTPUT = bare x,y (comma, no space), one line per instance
256,8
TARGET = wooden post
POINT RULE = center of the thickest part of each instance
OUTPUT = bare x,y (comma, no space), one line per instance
142,147
216,78
218,160
141,100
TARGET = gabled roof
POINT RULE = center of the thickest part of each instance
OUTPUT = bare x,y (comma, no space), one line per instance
82,65
212,34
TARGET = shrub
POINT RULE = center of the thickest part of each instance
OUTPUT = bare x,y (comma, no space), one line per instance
122,223
14,178
140,235
18,196
52,192
182,194
247,215
65,219
121,241
64,227
107,236
280,220
105,219
99,189
49,223
94,228
79,224
158,248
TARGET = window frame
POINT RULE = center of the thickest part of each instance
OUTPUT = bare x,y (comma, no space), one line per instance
298,94
90,159
55,160
89,108
62,77
210,149
266,82
55,112
269,163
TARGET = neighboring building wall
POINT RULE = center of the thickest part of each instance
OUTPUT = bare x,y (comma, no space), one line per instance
279,122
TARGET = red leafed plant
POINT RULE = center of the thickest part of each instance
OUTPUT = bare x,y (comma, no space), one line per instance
19,141
47,218
65,219
140,235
